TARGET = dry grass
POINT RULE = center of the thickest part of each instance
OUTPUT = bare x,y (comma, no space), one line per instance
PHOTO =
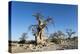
15,47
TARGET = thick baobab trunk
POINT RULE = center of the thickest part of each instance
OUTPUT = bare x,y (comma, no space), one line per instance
40,37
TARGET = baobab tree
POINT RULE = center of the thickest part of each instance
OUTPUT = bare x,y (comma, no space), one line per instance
38,29
70,33
57,37
23,38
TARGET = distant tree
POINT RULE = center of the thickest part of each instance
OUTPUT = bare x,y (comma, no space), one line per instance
23,38
70,33
57,36
75,38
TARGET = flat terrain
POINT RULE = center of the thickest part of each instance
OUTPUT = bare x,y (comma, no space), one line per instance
49,47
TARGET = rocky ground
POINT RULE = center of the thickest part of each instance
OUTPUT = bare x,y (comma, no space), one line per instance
39,48
32,48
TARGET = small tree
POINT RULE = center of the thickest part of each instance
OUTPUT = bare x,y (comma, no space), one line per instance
70,33
23,38
57,36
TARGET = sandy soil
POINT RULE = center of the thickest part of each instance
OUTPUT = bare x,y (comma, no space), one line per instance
51,47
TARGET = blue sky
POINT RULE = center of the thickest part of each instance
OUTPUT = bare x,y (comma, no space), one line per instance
65,16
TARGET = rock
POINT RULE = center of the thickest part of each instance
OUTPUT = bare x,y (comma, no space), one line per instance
26,46
39,46
32,47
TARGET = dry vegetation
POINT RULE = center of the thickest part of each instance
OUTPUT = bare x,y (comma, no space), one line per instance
55,41
49,46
